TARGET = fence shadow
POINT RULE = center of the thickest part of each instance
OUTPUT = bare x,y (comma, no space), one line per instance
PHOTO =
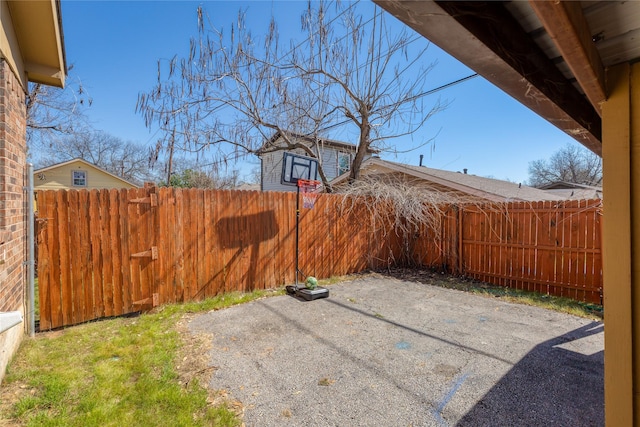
549,380
230,236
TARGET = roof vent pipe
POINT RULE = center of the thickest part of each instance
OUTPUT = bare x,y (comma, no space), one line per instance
421,157
464,170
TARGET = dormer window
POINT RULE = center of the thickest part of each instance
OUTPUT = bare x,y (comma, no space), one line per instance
79,178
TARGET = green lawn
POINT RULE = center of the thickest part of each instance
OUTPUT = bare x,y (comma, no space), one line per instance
114,372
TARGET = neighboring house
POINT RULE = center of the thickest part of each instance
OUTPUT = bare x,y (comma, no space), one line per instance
335,157
457,183
245,186
573,191
31,50
77,174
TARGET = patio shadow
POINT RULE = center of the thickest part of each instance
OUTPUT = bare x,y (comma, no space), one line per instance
552,379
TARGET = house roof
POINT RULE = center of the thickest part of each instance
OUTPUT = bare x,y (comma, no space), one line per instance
79,160
248,187
577,193
566,185
340,145
573,191
33,42
548,55
486,188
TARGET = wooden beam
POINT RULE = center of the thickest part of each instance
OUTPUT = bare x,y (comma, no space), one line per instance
634,143
617,249
485,37
568,28
151,200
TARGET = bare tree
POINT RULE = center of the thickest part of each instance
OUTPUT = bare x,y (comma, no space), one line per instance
52,112
124,159
233,92
569,164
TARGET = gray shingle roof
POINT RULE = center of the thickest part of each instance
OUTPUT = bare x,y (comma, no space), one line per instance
489,188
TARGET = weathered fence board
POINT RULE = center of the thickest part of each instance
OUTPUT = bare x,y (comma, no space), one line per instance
111,252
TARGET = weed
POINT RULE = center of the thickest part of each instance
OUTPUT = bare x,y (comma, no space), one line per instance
326,381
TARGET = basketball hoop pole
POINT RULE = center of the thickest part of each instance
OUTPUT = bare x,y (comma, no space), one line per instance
297,229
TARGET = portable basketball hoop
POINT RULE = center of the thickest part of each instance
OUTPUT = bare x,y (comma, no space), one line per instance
309,190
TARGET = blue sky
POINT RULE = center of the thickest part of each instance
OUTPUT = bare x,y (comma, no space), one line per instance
114,47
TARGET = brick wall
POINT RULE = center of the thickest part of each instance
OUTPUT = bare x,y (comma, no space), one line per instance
13,152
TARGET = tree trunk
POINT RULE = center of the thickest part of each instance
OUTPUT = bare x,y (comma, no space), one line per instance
363,148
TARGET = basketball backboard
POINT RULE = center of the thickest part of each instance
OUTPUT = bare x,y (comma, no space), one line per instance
295,166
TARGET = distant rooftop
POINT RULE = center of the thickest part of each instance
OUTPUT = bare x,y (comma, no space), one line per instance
487,188
311,139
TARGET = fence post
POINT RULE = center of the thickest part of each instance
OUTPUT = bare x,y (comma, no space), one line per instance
460,236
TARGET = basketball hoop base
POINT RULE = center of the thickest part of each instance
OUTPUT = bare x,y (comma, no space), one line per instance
311,294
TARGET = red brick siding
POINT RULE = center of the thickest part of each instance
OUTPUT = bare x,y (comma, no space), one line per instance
13,152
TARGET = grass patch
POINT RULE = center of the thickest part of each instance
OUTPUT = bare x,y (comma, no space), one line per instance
561,304
113,372
550,302
36,300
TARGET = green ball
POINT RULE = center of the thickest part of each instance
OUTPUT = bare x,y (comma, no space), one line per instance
311,282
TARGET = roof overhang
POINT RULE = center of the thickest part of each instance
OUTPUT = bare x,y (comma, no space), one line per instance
548,55
271,144
32,40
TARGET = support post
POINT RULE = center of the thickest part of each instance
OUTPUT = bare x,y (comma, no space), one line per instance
31,260
621,243
460,241
297,229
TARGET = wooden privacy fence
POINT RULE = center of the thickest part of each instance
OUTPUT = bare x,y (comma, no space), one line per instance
547,247
112,252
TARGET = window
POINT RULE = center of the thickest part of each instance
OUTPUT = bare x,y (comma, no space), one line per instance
79,178
344,163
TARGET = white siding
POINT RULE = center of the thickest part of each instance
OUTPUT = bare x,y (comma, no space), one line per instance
330,162
272,171
271,167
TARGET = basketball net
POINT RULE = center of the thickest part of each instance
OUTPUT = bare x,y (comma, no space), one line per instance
309,190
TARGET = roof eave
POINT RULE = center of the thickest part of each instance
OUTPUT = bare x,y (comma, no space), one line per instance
326,142
506,56
38,31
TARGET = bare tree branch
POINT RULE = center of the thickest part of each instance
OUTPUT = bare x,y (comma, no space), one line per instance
570,164
124,159
234,92
53,111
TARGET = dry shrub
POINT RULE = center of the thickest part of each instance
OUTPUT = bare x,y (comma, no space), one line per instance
400,206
